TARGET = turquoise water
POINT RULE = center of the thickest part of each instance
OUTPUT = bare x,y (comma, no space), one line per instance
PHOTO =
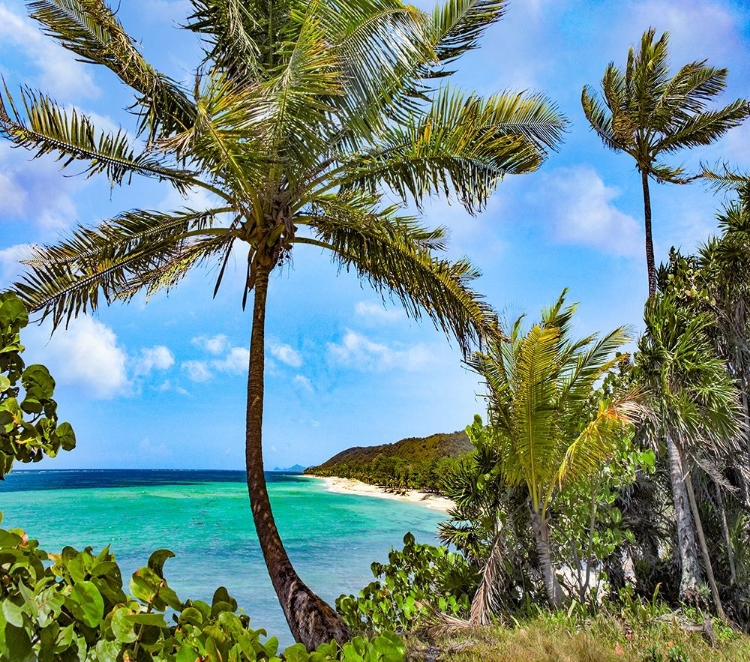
204,518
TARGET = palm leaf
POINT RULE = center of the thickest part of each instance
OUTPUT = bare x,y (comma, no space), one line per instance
90,29
48,128
394,255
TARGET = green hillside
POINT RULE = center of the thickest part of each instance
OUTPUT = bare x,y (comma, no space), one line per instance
413,463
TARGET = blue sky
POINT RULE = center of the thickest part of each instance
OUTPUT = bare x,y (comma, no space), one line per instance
162,384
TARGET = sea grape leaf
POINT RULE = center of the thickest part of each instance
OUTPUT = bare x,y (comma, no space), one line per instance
86,603
157,559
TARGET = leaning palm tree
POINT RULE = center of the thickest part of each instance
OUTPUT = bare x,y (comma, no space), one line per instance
698,419
648,115
301,116
539,387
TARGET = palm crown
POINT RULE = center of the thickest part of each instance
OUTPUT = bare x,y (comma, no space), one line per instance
648,114
295,121
300,116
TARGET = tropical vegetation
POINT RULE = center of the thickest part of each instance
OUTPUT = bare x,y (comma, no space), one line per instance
301,116
415,463
601,507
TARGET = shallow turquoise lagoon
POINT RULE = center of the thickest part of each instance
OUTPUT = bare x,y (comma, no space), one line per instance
204,518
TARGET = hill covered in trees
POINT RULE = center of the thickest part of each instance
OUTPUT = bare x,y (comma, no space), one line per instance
418,463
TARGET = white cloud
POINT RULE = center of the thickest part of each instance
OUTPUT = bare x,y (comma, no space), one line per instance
358,351
197,371
158,357
61,74
579,205
236,361
87,355
376,313
286,354
697,30
303,382
214,345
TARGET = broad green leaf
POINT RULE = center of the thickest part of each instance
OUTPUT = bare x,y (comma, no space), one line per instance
86,603
157,559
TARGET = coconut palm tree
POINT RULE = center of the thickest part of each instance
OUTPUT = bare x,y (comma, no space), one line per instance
301,115
539,385
698,417
649,115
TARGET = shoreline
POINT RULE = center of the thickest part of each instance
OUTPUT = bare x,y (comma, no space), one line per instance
357,487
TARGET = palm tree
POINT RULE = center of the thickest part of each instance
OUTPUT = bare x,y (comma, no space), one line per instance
647,115
301,114
698,419
539,385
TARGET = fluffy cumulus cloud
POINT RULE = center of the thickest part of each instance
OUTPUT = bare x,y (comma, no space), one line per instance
581,208
196,371
358,351
286,354
86,356
158,357
236,361
213,344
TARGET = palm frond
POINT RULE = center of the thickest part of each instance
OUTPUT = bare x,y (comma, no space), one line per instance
704,128
48,128
394,255
464,145
67,279
90,29
457,25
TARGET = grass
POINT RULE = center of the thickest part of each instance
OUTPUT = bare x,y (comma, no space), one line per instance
603,638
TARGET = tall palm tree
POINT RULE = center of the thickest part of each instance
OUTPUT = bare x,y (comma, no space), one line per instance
302,114
698,416
648,115
539,385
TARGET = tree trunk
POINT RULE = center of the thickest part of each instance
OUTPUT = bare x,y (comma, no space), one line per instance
688,553
650,263
725,529
704,549
540,527
311,620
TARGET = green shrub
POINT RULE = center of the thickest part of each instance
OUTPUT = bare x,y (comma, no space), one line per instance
418,581
75,609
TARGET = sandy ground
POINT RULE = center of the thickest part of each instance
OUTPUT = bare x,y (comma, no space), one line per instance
348,486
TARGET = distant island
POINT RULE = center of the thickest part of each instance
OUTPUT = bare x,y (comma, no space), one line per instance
296,469
414,463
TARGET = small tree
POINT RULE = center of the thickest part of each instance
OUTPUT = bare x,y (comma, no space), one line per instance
539,385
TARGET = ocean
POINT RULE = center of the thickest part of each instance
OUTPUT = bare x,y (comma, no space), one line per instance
204,518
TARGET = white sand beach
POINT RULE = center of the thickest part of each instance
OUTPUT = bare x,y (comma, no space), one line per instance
348,486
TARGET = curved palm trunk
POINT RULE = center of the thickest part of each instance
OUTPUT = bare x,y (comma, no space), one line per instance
687,549
311,620
650,263
540,526
704,548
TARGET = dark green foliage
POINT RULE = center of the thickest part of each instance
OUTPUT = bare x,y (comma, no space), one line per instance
420,463
416,583
29,427
71,606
